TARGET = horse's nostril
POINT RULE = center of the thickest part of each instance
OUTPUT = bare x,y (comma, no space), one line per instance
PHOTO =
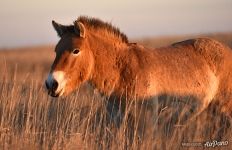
54,85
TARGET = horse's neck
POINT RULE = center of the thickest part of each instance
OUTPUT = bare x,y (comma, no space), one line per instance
106,72
116,69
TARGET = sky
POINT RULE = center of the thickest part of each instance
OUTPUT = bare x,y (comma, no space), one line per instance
28,22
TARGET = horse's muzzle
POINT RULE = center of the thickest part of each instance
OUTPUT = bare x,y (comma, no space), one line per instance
52,88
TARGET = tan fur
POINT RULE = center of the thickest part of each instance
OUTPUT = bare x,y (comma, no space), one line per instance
197,67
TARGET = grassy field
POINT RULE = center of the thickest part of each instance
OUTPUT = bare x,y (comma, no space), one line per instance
30,119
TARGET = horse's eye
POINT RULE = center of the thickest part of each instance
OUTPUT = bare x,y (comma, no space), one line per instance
76,51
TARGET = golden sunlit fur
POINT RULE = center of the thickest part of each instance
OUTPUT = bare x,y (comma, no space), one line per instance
200,68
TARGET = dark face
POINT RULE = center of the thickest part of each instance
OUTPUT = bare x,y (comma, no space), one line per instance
72,66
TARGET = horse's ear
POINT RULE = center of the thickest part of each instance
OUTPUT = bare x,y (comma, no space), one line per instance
60,29
79,29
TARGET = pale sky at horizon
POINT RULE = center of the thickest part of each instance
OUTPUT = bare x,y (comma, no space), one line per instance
28,22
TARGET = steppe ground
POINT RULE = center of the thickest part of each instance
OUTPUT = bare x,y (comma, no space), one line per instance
30,119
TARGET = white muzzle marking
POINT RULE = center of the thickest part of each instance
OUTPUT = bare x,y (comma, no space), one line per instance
58,76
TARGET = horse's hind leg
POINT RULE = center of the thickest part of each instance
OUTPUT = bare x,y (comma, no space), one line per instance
222,120
227,108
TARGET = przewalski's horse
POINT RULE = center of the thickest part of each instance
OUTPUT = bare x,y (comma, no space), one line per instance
93,51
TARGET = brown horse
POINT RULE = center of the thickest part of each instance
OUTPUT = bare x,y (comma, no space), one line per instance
96,52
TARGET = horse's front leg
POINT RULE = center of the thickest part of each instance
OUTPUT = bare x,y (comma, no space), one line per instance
115,110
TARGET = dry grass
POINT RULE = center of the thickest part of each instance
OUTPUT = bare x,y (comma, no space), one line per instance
30,119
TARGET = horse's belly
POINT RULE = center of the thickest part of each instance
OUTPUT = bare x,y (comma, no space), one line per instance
201,84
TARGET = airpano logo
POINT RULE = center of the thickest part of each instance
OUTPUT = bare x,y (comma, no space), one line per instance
207,144
215,143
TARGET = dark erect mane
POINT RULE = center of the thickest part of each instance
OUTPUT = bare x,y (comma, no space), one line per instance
99,24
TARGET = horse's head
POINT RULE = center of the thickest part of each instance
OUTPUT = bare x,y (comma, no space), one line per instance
74,60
